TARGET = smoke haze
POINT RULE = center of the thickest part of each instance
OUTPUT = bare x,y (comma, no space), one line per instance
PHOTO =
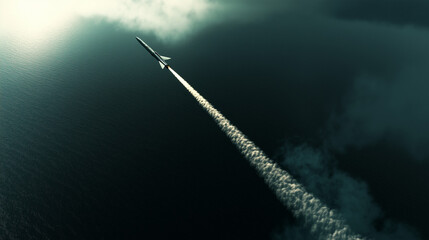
318,173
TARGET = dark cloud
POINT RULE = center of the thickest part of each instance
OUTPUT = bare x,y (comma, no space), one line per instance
318,78
396,12
355,81
315,68
414,12
395,108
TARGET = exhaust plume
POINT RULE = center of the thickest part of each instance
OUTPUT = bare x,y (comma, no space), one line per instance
324,222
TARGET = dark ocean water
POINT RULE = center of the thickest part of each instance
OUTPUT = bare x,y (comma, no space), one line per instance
95,144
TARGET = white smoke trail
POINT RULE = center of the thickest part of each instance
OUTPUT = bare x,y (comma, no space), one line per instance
322,221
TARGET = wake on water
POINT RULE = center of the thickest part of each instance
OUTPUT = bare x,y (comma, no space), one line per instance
322,221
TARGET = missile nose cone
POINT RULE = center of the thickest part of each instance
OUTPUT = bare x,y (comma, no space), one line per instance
139,40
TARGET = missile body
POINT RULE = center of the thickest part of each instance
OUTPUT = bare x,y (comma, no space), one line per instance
161,59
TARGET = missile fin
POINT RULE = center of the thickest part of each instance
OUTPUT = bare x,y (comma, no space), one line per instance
162,65
165,58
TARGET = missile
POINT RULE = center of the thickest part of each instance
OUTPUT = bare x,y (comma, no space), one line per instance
161,59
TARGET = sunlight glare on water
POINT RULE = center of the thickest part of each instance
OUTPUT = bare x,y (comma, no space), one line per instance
33,22
33,19
31,28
